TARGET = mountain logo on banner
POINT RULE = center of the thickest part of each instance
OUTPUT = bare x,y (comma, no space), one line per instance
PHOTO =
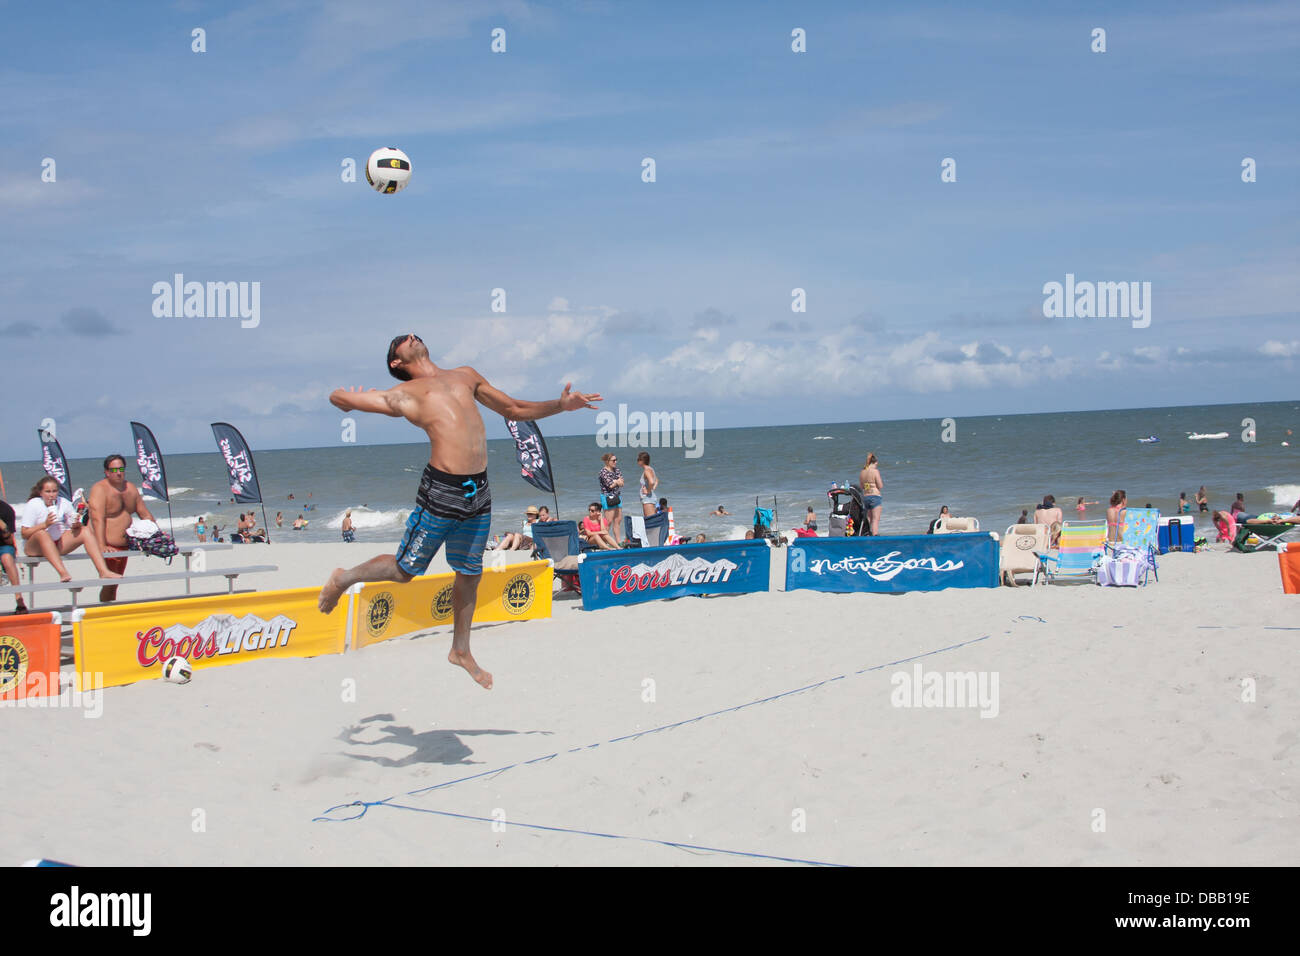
215,634
672,570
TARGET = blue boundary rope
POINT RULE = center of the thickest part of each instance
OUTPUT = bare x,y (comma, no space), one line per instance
619,836
365,805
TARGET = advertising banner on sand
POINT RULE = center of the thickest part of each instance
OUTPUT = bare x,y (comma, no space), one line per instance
893,564
516,592
131,642
29,655
633,575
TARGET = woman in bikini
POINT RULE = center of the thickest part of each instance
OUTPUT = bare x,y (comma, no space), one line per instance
873,487
1115,516
649,482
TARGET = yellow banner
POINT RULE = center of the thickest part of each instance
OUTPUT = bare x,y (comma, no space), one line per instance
514,593
130,642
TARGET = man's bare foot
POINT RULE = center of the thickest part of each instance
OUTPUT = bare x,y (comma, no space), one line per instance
110,574
466,660
331,592
65,577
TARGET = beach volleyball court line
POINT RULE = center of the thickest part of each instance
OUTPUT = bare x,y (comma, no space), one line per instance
365,805
615,836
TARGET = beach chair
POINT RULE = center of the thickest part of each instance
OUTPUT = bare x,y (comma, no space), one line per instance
656,529
1082,545
951,525
1141,535
1261,535
1021,546
558,541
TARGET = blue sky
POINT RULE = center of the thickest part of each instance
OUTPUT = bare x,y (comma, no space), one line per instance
775,170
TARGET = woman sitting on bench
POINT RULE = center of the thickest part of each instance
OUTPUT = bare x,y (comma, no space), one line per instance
51,528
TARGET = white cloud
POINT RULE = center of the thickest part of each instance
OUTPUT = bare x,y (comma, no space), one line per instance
1274,349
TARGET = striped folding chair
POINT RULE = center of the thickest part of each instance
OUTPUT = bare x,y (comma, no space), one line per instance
1081,548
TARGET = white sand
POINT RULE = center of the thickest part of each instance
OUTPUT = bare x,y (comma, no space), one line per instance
1127,701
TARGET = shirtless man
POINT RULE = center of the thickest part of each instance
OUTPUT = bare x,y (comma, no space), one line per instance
453,504
112,502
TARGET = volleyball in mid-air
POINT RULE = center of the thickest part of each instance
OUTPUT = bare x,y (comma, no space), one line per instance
388,170
177,670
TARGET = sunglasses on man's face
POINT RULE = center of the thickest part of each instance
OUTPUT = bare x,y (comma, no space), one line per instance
117,471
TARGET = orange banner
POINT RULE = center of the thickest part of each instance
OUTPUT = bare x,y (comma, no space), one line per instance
513,593
29,655
130,642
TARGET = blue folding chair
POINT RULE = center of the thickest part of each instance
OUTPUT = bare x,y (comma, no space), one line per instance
656,529
558,541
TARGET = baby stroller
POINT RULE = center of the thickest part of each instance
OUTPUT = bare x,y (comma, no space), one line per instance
765,521
848,513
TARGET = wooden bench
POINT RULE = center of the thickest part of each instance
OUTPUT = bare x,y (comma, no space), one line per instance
76,587
32,563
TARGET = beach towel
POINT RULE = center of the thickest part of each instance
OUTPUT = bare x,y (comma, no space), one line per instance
1288,561
638,530
1124,568
1141,526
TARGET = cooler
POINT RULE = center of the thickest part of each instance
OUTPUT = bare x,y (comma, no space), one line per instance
1176,533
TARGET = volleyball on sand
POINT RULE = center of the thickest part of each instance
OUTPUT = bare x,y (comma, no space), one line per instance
177,670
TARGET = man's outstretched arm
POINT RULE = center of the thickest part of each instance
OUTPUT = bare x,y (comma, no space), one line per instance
381,403
516,409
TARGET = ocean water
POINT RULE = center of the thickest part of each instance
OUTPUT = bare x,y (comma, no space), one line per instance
996,466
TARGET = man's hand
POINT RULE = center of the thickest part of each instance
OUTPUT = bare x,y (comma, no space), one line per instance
340,397
572,401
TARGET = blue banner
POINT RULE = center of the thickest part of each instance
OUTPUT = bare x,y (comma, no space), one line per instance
893,564
632,575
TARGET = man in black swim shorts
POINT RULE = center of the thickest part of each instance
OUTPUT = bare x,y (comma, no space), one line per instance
453,504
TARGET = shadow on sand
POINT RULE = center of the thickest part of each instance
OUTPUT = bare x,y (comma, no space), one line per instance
429,746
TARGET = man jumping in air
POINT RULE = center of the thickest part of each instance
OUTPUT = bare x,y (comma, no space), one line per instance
453,504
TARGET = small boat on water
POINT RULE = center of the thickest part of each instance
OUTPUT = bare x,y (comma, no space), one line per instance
1151,440
1195,436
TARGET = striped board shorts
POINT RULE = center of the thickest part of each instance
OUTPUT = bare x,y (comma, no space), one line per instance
455,510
